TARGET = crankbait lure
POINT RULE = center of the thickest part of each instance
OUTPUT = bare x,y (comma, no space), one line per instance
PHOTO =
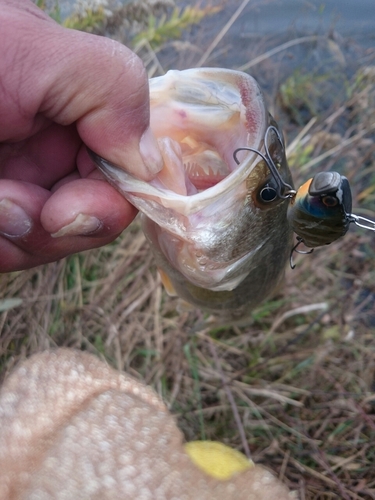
320,211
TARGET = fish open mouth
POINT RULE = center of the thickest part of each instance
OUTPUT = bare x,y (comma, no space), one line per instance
203,166
190,166
199,118
199,122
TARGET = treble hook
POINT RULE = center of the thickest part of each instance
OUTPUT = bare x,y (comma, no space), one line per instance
302,252
283,189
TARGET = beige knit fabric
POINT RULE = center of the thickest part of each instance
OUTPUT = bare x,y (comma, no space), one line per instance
73,428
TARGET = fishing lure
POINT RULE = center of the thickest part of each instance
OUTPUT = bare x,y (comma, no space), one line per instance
320,211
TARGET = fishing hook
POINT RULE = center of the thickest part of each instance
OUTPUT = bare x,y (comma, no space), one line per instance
283,190
295,249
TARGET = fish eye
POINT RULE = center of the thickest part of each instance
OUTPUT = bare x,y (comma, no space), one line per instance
329,201
267,194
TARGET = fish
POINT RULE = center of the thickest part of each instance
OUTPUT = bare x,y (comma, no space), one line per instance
215,220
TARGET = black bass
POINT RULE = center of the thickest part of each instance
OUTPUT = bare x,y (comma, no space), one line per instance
218,229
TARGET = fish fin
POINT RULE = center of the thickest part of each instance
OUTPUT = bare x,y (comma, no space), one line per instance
167,283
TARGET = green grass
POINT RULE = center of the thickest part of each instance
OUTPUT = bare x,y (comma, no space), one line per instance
169,27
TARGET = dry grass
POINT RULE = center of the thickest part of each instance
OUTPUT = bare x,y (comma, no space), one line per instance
301,375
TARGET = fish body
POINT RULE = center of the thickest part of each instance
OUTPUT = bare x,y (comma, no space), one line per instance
217,236
320,213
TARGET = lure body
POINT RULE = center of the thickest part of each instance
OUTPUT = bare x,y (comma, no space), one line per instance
320,213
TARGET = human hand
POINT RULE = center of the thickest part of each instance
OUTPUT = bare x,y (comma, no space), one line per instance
60,91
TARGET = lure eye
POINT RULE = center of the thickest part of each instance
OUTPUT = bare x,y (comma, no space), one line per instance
267,194
329,201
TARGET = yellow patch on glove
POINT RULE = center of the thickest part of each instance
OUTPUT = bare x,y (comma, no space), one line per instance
217,459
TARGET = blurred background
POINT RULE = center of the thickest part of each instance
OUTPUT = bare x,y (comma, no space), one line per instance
301,372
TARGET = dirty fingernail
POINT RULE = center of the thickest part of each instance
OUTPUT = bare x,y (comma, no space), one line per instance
150,153
83,225
14,221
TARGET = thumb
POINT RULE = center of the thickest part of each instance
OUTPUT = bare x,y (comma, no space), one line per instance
75,77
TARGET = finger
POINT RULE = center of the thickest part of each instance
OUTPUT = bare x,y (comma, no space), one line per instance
94,81
28,214
43,159
86,207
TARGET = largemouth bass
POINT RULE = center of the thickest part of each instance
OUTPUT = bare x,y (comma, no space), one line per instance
219,232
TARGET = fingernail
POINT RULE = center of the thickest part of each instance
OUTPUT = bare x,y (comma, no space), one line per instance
83,225
14,221
151,156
